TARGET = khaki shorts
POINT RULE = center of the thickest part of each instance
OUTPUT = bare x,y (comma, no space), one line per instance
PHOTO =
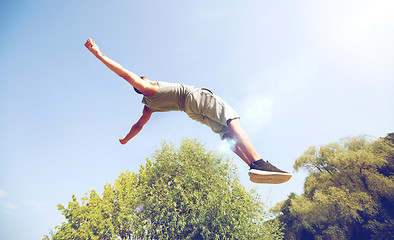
209,109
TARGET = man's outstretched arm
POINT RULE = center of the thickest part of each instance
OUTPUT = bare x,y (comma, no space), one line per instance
136,128
130,77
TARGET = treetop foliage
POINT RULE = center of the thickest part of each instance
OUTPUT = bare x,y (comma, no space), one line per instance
349,193
184,193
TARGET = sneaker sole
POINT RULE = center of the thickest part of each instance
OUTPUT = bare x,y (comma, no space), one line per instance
258,176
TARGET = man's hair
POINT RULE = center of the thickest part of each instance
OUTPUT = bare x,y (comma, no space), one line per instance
136,90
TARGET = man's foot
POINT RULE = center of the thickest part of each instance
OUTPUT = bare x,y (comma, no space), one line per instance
264,172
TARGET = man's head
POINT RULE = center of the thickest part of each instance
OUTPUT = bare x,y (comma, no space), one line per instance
143,78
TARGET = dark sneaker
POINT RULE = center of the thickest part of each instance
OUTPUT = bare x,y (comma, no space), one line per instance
264,172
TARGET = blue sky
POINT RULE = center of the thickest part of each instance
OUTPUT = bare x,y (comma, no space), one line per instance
300,73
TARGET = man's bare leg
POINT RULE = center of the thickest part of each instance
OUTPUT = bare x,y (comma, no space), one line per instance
260,170
243,145
235,148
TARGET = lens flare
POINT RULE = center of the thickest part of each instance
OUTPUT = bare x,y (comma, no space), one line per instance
231,143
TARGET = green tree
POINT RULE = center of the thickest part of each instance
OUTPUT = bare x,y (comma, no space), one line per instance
349,193
184,193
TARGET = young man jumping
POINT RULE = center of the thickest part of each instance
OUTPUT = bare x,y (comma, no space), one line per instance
199,104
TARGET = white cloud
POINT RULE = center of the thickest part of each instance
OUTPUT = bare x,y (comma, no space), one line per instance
279,87
256,111
8,206
2,194
294,77
35,205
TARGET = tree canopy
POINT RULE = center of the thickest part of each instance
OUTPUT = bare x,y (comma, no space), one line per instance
349,193
184,193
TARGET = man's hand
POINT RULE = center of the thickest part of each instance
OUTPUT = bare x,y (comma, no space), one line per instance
92,46
123,140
